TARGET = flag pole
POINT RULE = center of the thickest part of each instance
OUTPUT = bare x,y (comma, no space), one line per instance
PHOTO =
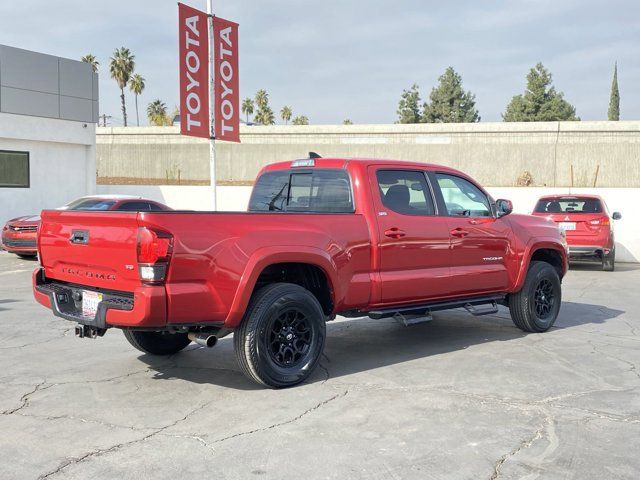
212,132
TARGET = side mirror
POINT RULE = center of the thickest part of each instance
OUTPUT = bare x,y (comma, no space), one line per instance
503,207
616,215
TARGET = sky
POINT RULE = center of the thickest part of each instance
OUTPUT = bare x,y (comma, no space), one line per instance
332,60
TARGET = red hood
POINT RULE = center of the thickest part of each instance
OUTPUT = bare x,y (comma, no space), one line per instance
26,221
537,226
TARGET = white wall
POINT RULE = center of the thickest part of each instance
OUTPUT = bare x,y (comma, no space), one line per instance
623,200
61,162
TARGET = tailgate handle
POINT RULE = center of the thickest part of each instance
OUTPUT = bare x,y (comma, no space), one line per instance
79,236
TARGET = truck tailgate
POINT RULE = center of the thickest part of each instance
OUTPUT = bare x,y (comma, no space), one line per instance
96,249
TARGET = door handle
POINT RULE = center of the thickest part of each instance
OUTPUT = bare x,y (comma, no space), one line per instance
459,232
394,233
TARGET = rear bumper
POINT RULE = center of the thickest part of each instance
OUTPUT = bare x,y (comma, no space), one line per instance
144,308
587,252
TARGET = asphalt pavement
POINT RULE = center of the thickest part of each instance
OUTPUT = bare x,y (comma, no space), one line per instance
456,398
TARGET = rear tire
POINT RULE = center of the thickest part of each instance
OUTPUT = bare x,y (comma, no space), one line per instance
157,343
281,337
609,261
535,307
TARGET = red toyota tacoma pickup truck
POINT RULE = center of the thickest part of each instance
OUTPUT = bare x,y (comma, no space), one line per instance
322,237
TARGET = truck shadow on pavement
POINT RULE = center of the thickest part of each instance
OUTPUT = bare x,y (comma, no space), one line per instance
360,345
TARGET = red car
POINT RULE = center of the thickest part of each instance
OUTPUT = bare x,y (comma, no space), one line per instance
19,234
322,237
587,224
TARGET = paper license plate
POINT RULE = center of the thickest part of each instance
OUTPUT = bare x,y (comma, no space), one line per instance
90,302
567,226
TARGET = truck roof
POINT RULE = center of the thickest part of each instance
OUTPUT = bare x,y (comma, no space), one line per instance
341,162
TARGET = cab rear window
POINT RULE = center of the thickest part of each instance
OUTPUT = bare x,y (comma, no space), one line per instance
306,191
569,205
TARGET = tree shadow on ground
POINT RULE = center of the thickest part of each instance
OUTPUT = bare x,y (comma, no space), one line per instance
363,344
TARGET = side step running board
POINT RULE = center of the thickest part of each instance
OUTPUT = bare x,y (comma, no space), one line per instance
468,304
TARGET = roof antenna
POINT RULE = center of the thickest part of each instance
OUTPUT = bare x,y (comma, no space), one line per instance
314,155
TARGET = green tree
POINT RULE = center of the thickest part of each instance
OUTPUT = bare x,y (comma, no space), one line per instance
540,102
121,66
347,121
262,99
285,114
300,120
264,114
409,105
247,107
136,85
614,99
157,113
449,103
91,60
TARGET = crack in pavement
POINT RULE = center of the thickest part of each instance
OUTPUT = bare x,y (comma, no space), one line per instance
524,444
24,400
160,431
62,335
286,422
632,366
118,446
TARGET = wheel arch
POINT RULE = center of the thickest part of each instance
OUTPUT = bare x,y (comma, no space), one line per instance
548,251
308,267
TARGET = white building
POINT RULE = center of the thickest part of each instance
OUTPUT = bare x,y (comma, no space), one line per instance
48,112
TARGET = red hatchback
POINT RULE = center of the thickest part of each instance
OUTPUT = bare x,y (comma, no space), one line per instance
19,234
586,222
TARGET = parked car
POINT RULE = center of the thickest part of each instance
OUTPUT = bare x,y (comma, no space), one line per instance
19,234
322,237
587,225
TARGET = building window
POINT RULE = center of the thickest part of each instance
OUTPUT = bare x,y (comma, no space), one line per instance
14,169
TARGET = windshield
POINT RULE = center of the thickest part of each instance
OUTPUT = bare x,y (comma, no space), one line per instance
569,205
91,204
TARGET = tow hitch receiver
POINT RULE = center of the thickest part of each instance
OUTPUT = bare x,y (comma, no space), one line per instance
89,331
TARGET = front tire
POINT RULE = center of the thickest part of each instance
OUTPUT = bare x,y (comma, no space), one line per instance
157,343
536,306
281,337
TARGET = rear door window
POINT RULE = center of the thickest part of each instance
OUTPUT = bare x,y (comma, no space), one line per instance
405,191
308,191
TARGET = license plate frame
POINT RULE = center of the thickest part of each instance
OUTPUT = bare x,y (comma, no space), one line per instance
567,226
90,302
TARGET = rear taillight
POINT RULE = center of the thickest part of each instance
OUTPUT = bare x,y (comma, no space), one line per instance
603,221
154,251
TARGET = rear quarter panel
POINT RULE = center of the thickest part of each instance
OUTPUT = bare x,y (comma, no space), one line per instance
217,258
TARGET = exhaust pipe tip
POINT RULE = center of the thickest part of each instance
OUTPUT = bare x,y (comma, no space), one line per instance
203,339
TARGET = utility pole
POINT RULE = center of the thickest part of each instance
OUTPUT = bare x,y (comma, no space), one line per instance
104,119
212,133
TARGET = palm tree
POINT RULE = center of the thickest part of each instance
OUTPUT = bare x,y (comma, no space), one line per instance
285,114
262,99
136,85
247,107
301,120
265,116
91,60
157,113
121,66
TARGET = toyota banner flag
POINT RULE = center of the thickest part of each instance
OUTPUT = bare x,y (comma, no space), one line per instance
227,111
194,76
